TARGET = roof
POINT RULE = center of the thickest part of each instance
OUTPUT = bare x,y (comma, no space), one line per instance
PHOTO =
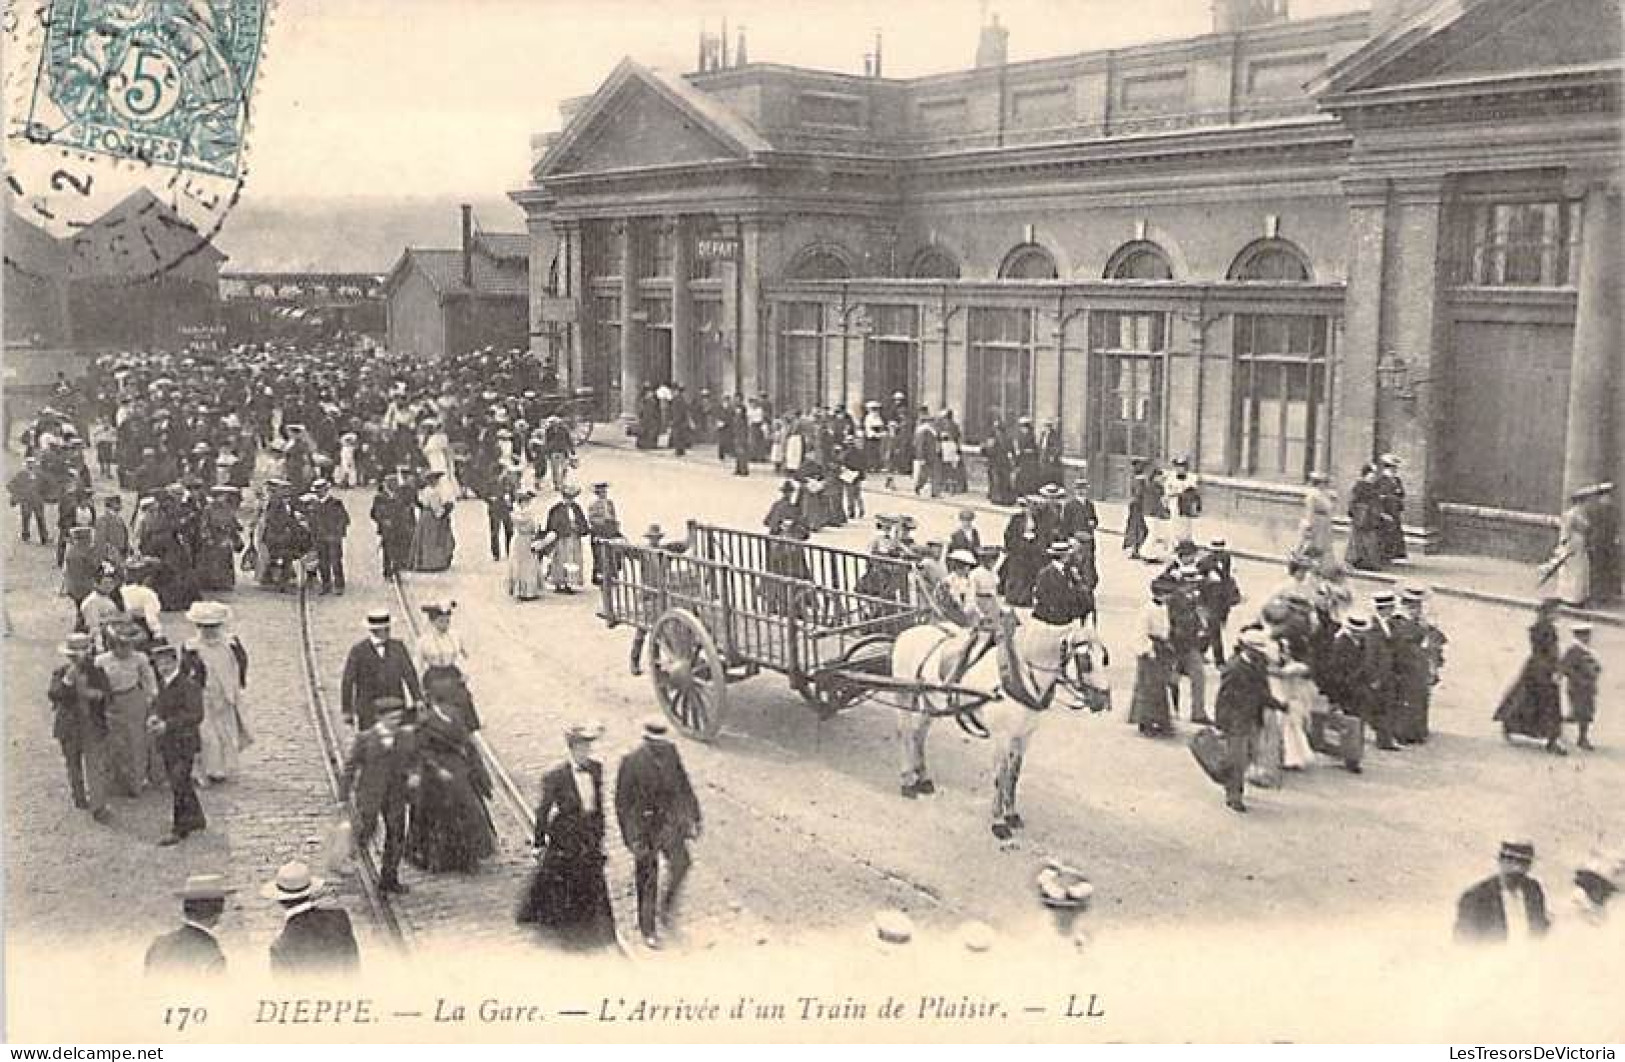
505,244
708,113
504,277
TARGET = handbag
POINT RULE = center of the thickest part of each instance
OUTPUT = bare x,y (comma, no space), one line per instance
1208,746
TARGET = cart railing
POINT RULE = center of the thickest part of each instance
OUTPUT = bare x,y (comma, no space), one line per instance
769,616
826,566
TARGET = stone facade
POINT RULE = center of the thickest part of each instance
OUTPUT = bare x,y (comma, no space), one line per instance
1279,247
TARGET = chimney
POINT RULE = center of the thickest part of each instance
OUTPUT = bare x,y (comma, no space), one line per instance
468,245
877,53
701,67
739,52
1233,16
993,49
724,39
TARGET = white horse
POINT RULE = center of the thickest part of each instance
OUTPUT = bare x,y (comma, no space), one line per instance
1051,664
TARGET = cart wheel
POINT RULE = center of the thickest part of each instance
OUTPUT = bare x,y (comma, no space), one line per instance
828,695
688,675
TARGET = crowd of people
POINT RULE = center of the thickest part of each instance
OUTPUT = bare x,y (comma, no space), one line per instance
193,440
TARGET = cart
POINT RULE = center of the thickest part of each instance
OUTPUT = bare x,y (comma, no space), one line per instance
738,603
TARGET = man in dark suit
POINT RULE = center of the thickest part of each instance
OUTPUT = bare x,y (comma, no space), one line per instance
177,712
658,814
1511,906
381,772
314,940
192,950
329,522
378,666
1244,695
568,896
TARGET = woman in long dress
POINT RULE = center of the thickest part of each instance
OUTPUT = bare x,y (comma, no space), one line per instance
1365,523
1315,532
566,528
1152,706
1572,556
1533,706
442,661
524,556
451,825
438,456
220,665
432,540
133,685
568,897
221,539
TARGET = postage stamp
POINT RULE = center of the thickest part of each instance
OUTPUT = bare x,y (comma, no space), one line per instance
127,139
167,82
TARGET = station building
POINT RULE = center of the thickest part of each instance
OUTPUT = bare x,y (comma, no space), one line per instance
1281,246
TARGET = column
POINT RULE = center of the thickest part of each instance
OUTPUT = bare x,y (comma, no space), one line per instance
749,341
1594,370
1417,326
573,278
683,369
631,331
1354,397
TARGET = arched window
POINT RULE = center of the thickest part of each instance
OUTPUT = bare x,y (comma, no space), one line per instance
934,263
1140,260
819,263
1029,262
1271,260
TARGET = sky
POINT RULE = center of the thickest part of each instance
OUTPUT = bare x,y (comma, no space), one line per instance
385,99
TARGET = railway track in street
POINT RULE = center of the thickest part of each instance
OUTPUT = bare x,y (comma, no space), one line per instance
464,908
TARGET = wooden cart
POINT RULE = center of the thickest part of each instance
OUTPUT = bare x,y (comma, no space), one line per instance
737,603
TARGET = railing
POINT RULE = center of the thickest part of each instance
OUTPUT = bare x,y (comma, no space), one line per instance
763,610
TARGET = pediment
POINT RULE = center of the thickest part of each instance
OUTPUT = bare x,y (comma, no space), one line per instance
640,118
1457,40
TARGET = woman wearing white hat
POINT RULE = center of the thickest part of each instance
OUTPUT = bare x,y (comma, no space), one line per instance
221,666
524,554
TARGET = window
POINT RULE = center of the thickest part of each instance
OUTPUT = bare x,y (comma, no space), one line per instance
1280,395
1529,244
604,364
819,264
1271,260
605,244
890,350
1029,262
801,355
710,343
661,242
1131,348
1141,260
999,366
657,359
934,263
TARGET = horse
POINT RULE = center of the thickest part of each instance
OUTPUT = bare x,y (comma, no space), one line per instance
1044,661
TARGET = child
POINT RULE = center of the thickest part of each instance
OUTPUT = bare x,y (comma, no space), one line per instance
1581,669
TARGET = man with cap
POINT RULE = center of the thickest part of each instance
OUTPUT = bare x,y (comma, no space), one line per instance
177,716
381,774
192,951
394,513
604,525
329,523
79,693
26,492
568,895
1219,594
377,666
112,533
658,814
1078,516
1581,669
1509,907
315,941
1244,695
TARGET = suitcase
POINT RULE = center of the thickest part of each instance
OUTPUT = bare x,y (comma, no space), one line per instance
1337,735
1208,746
